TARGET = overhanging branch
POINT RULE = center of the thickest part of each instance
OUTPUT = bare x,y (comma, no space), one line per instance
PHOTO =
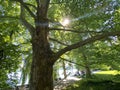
58,41
72,62
86,41
75,31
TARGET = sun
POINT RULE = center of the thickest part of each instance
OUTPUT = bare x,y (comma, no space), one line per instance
65,22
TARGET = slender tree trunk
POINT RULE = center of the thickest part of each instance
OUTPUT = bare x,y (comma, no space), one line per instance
88,72
64,69
87,67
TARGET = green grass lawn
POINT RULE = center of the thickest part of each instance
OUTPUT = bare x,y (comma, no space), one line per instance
103,80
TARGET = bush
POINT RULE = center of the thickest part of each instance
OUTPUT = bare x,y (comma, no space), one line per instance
98,82
117,78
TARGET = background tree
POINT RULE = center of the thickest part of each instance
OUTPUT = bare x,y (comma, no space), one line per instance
9,55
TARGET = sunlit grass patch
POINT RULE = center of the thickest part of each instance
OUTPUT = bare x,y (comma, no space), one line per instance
105,75
103,80
113,72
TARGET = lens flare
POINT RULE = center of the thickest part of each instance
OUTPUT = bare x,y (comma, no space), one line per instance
65,22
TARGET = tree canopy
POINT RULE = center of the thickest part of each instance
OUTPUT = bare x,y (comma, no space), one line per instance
38,24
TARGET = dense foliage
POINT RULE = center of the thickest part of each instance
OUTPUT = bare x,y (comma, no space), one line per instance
9,59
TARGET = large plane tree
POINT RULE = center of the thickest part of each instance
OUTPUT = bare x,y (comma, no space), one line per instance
92,20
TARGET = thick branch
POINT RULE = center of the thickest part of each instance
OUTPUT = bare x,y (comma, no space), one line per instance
58,41
86,41
25,23
28,26
31,5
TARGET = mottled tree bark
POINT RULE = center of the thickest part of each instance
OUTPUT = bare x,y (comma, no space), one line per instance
42,64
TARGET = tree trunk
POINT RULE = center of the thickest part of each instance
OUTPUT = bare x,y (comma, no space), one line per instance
41,77
64,69
41,69
42,64
88,72
87,66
